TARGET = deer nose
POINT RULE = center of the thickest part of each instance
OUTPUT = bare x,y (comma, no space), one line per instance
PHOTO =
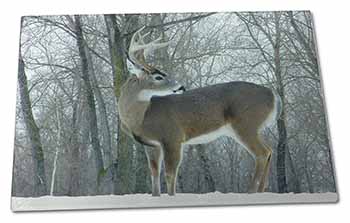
182,88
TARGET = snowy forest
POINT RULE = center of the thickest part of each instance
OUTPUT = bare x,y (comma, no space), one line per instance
68,140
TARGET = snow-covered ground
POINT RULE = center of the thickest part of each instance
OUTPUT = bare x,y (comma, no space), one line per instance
146,200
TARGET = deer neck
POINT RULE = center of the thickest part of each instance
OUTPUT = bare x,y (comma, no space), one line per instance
132,114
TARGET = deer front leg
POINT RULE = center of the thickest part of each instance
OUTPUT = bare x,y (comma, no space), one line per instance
172,159
154,161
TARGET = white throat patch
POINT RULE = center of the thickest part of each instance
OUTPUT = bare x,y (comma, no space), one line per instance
146,95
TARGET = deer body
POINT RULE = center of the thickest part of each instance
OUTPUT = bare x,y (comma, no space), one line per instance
205,111
154,114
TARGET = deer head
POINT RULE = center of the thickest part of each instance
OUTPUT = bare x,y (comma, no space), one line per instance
144,82
149,80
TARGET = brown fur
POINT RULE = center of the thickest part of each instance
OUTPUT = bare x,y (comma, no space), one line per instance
169,121
203,110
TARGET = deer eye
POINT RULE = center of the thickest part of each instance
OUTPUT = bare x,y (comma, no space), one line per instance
159,78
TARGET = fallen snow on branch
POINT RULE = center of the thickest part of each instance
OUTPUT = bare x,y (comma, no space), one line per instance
146,200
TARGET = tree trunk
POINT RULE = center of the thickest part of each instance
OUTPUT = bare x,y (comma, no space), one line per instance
58,148
105,179
39,184
296,182
281,154
123,164
209,183
307,173
143,178
281,126
161,56
74,153
90,99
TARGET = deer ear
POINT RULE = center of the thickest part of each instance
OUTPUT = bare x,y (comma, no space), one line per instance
133,70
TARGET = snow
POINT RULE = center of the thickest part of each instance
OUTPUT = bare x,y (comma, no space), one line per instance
180,200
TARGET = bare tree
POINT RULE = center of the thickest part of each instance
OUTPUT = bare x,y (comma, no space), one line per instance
90,97
40,185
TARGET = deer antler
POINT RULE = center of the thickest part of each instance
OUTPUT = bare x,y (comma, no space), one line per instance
139,50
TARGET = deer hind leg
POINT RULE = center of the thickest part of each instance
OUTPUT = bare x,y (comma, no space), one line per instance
154,163
265,177
262,156
172,160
